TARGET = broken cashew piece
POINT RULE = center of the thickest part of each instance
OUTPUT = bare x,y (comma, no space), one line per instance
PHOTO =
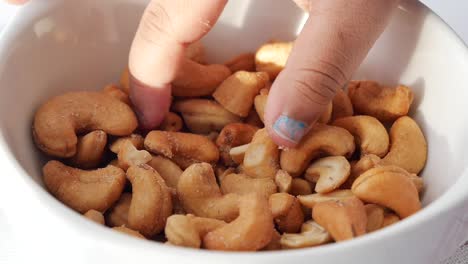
58,120
311,200
242,62
130,156
375,217
95,216
272,57
168,170
184,149
118,214
172,122
287,212
151,202
243,184
90,150
84,190
260,104
261,160
128,231
283,180
233,135
312,234
342,106
329,173
332,140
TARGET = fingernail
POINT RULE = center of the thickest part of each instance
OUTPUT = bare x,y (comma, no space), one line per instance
289,128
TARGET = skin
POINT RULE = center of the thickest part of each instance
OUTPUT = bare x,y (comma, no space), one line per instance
333,43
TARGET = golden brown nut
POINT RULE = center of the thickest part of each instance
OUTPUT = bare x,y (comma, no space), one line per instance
200,194
237,92
261,159
344,219
114,91
168,170
172,123
243,184
95,216
390,188
328,173
366,163
272,57
260,104
408,148
390,219
135,139
253,119
242,62
84,190
383,103
151,201
326,116
331,140
238,153
342,106
182,148
312,234
283,180
130,156
368,132
125,80
233,135
57,121
128,231
375,217
249,232
117,215
196,52
311,200
287,212
300,187
194,79
203,116
90,150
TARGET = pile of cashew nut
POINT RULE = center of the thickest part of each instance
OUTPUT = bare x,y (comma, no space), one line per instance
211,177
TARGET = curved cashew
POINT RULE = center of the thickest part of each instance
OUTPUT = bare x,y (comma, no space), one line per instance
95,216
128,231
375,217
172,123
118,214
329,173
238,91
58,120
343,219
335,141
125,80
248,232
272,57
326,116
168,170
369,133
233,135
130,156
261,160
84,190
312,199
203,116
383,103
242,62
243,184
260,103
182,148
390,219
342,106
151,201
114,91
284,181
408,146
200,194
90,150
287,212
312,234
388,187
189,230
194,79
300,187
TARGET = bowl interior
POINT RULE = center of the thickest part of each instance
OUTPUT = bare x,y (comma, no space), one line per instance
57,46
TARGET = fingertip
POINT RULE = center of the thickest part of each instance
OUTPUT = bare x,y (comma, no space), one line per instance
17,2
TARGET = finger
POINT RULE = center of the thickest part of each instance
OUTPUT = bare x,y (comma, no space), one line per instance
166,28
334,41
17,2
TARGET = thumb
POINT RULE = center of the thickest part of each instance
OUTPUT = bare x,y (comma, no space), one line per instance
165,30
334,41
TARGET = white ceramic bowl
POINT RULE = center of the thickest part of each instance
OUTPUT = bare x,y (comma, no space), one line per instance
55,46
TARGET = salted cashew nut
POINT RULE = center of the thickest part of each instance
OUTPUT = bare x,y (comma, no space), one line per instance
261,160
312,234
237,153
300,187
342,106
260,103
172,122
251,231
383,103
125,80
287,212
408,148
58,120
168,170
326,115
233,135
196,52
130,156
203,116
311,200
390,219
90,150
84,190
283,180
329,173
200,194
194,79
332,140
151,202
128,231
243,184
114,91
343,219
242,62
389,187
189,230
368,132
95,216
271,57
117,215
183,148
375,217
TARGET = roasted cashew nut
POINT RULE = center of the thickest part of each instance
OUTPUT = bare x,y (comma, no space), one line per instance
300,187
243,184
272,57
172,122
136,140
117,215
284,181
260,104
242,62
114,91
128,231
168,170
130,156
329,173
233,135
312,234
261,160
90,150
311,200
95,216
287,212
390,219
375,217
366,163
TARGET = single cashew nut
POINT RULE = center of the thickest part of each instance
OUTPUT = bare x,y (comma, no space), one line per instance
114,91
200,194
390,188
272,57
287,212
238,153
249,232
342,106
90,150
84,190
326,116
57,121
168,170
343,219
375,217
118,214
183,148
408,148
311,200
284,181
383,103
260,103
329,173
238,91
128,231
261,159
172,122
331,140
203,116
300,187
369,133
242,62
243,184
151,201
233,135
95,216
312,234
130,156
390,219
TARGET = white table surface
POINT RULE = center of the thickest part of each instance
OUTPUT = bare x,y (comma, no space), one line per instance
454,12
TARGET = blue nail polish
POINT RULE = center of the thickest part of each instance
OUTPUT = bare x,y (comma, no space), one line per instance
289,129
